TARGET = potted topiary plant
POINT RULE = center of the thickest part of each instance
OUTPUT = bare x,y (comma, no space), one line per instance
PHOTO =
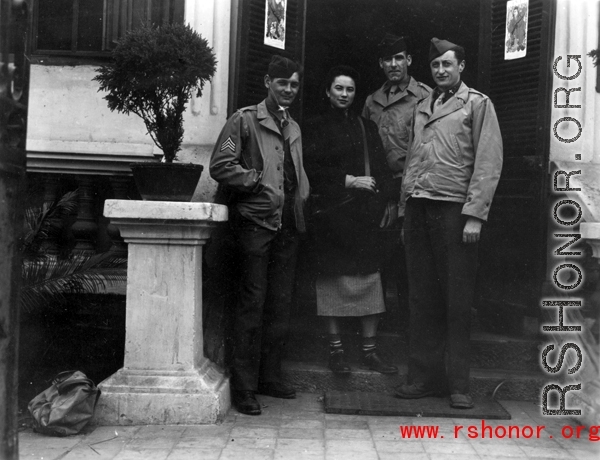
153,73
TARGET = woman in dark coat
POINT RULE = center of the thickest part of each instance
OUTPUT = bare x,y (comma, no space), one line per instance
350,208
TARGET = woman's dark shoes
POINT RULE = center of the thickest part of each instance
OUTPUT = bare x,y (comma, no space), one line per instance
373,362
245,402
276,390
337,363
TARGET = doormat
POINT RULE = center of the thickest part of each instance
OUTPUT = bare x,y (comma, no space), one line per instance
364,403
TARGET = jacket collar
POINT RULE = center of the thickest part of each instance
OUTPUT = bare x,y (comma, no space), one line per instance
265,119
380,96
456,102
447,94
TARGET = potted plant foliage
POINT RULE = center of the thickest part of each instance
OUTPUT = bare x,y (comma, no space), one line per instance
45,278
153,73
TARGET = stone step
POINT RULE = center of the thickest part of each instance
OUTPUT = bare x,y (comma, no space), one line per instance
315,377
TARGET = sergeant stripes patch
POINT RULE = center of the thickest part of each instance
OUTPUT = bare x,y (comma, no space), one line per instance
228,144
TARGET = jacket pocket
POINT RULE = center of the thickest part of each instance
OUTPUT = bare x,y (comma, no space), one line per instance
457,152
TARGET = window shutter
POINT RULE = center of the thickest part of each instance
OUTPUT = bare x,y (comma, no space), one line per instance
517,88
92,27
252,56
124,15
513,254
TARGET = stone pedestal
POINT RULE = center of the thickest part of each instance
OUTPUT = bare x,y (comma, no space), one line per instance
165,378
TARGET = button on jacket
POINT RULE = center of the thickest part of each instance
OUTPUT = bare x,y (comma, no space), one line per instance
394,119
455,153
249,159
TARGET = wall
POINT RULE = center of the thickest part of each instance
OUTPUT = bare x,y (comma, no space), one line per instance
577,24
70,129
205,117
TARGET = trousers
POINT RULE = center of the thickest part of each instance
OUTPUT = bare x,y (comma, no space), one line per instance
441,278
262,312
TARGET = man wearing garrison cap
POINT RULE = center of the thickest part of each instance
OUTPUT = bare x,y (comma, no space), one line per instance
391,106
451,173
258,159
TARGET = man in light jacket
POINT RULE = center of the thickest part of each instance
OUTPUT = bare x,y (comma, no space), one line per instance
258,159
451,173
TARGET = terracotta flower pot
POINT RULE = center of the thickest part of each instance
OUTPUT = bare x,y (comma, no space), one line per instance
166,181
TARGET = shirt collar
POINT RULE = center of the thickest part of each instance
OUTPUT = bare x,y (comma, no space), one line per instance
446,94
275,110
388,84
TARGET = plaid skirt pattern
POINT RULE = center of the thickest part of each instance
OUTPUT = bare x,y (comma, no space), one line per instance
350,295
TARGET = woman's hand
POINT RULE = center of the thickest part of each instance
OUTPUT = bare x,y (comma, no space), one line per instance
361,182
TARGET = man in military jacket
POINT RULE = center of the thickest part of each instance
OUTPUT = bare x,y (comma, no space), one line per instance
258,160
451,173
392,105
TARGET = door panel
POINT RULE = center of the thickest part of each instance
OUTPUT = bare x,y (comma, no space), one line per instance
512,253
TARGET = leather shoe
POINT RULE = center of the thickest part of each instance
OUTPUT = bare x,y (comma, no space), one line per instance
461,401
373,362
245,402
415,391
276,390
337,363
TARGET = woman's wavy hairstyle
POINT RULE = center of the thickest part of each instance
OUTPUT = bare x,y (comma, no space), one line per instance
345,70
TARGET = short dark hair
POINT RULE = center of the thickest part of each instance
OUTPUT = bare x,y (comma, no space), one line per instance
345,70
300,70
459,52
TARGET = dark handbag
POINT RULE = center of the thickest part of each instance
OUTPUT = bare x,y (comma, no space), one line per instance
370,208
317,210
358,205
66,407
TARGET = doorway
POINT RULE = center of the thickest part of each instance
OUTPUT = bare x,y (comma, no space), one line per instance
348,32
324,33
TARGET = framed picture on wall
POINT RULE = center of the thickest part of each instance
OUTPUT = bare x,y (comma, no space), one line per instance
516,29
275,12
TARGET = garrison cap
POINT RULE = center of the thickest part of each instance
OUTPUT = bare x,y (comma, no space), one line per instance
439,47
282,67
391,45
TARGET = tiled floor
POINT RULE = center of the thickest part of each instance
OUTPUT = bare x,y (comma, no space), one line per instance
300,430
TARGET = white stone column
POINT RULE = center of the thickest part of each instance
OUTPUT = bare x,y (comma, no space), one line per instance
165,379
